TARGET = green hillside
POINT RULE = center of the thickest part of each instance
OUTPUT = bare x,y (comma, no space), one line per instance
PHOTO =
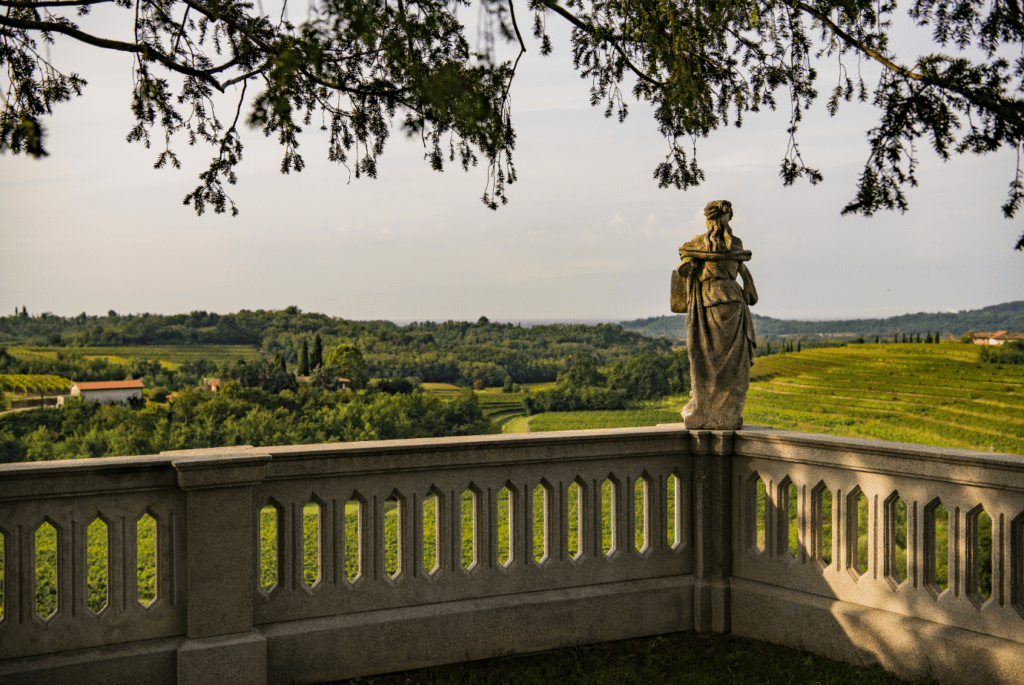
925,394
1008,316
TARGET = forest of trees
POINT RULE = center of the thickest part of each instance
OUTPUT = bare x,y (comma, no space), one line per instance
456,352
265,402
236,416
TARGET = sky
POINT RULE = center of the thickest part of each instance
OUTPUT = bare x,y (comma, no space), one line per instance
587,234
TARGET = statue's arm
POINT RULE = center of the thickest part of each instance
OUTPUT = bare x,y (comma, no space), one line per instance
749,291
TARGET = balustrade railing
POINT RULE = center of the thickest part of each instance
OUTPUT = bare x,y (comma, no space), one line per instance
307,563
919,531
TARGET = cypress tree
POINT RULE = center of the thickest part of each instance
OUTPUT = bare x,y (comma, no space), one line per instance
316,360
304,360
877,339
936,338
904,337
797,345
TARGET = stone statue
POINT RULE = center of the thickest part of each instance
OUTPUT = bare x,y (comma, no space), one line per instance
719,329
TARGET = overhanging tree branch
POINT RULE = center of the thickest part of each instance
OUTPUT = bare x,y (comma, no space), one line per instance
361,63
589,29
146,52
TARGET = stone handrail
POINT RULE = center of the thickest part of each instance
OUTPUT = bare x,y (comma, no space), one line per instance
689,545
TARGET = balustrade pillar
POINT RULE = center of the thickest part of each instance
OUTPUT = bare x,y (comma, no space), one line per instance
712,528
221,571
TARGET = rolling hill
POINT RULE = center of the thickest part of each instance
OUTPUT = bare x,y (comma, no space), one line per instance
1008,316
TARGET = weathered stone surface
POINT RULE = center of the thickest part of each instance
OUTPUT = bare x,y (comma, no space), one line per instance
686,555
346,646
226,659
719,329
905,645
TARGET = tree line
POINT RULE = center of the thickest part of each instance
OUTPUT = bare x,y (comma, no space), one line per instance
238,415
1008,316
586,387
458,352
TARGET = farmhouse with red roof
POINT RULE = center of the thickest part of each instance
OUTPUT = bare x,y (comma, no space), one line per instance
996,338
108,392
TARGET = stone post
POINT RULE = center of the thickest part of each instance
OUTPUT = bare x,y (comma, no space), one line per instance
712,528
221,647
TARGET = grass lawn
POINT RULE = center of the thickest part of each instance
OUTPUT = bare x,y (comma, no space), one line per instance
625,418
690,658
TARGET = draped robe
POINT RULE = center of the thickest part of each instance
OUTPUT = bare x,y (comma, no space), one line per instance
720,340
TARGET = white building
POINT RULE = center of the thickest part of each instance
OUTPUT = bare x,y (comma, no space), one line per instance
108,392
996,338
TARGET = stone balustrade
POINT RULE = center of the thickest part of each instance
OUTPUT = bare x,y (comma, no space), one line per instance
320,562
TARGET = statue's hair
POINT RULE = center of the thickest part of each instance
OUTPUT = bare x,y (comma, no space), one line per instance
719,231
718,208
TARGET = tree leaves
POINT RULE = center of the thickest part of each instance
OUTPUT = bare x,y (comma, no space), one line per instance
360,64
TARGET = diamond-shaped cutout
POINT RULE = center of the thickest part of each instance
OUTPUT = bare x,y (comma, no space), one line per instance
312,541
506,524
857,508
789,530
270,546
394,512
821,516
979,555
355,510
609,523
145,559
895,543
469,503
47,560
759,499
936,547
575,498
432,544
541,497
97,541
642,513
674,511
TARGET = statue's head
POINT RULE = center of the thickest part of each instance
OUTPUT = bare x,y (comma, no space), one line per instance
718,214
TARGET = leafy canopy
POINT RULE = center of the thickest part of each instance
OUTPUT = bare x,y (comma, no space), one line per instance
354,67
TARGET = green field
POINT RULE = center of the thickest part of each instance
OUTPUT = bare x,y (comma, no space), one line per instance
501,407
30,383
924,394
625,418
170,354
